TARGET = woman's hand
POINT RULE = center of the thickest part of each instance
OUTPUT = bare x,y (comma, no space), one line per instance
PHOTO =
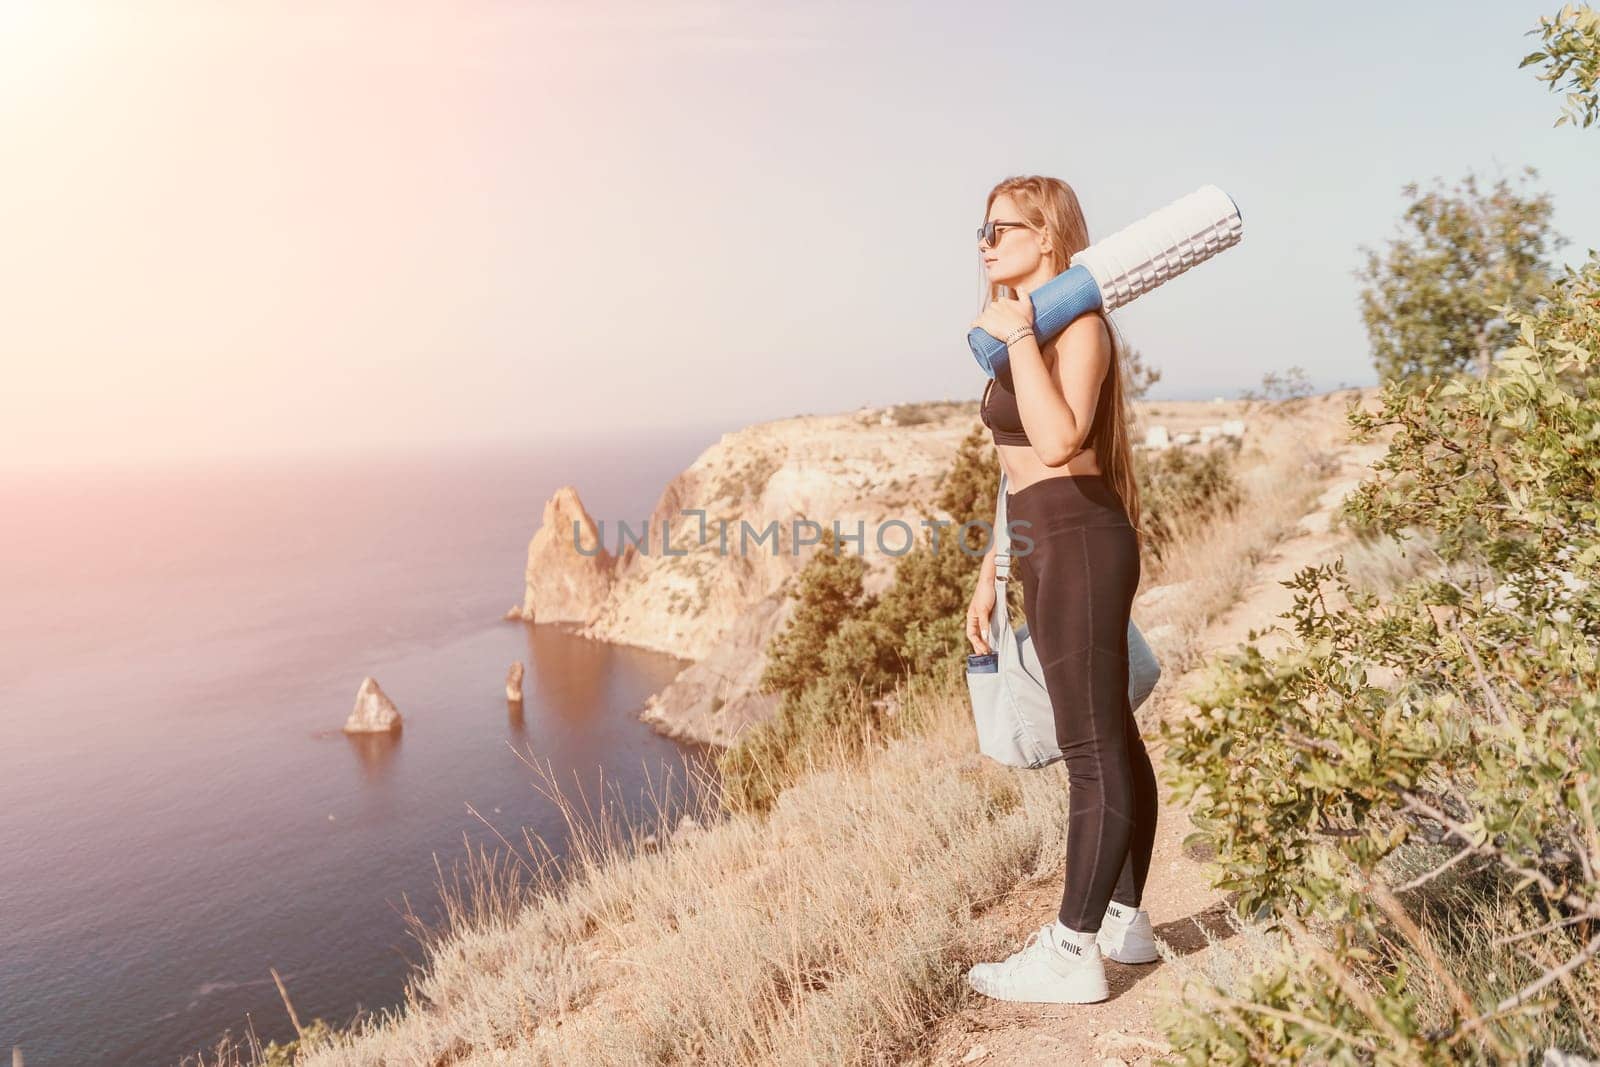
1003,314
979,612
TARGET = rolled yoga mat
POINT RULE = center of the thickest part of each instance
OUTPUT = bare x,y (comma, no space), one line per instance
1128,264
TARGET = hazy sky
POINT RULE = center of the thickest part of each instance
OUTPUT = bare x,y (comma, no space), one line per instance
272,228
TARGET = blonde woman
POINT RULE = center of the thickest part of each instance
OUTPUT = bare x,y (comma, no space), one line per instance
1059,420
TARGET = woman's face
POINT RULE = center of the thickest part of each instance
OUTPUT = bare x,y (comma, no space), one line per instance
1016,251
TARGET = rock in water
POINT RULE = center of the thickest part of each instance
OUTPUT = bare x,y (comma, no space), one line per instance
374,712
514,682
569,571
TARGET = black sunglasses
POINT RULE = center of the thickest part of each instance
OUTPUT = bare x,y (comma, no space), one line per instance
989,232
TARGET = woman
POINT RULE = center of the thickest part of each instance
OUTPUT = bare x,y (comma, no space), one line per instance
1060,425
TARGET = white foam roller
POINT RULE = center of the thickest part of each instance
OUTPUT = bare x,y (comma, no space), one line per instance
1162,245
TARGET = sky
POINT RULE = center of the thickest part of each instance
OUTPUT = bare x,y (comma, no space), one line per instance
263,229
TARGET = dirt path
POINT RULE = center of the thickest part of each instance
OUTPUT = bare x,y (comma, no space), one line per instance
1121,1029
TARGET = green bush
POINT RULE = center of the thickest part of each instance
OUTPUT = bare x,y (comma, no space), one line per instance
1183,487
1429,302
1310,772
286,1054
1456,720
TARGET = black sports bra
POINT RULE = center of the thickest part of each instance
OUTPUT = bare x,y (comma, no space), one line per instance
1002,417
1005,421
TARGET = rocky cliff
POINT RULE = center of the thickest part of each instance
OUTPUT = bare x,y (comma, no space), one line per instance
714,590
569,569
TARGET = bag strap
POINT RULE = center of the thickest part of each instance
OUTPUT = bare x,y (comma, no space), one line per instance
999,619
1002,552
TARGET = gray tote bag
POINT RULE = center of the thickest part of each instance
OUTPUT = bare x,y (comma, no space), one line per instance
1016,722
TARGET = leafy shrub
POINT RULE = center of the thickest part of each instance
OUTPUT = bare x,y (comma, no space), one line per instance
1311,771
1180,488
1429,302
286,1054
1459,715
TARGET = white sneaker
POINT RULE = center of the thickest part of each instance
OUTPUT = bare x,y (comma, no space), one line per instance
1044,972
1126,935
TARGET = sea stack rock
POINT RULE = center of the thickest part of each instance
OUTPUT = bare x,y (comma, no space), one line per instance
563,583
514,682
374,712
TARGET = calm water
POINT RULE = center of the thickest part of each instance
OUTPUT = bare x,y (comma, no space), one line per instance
177,652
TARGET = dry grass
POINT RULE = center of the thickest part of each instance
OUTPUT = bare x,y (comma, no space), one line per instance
1474,929
1468,932
1281,475
1383,565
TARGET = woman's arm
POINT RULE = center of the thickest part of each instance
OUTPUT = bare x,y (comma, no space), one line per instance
1057,404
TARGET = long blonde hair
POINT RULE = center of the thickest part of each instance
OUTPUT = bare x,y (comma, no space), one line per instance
1050,205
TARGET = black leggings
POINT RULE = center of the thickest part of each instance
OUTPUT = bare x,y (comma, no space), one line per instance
1078,581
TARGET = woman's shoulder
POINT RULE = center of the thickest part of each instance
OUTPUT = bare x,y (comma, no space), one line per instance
1087,332
1091,328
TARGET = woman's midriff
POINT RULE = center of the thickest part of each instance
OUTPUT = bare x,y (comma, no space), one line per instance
1023,467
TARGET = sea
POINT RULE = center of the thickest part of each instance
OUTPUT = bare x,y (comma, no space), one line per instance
181,815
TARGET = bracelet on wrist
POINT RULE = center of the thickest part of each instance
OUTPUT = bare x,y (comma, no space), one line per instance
1018,334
